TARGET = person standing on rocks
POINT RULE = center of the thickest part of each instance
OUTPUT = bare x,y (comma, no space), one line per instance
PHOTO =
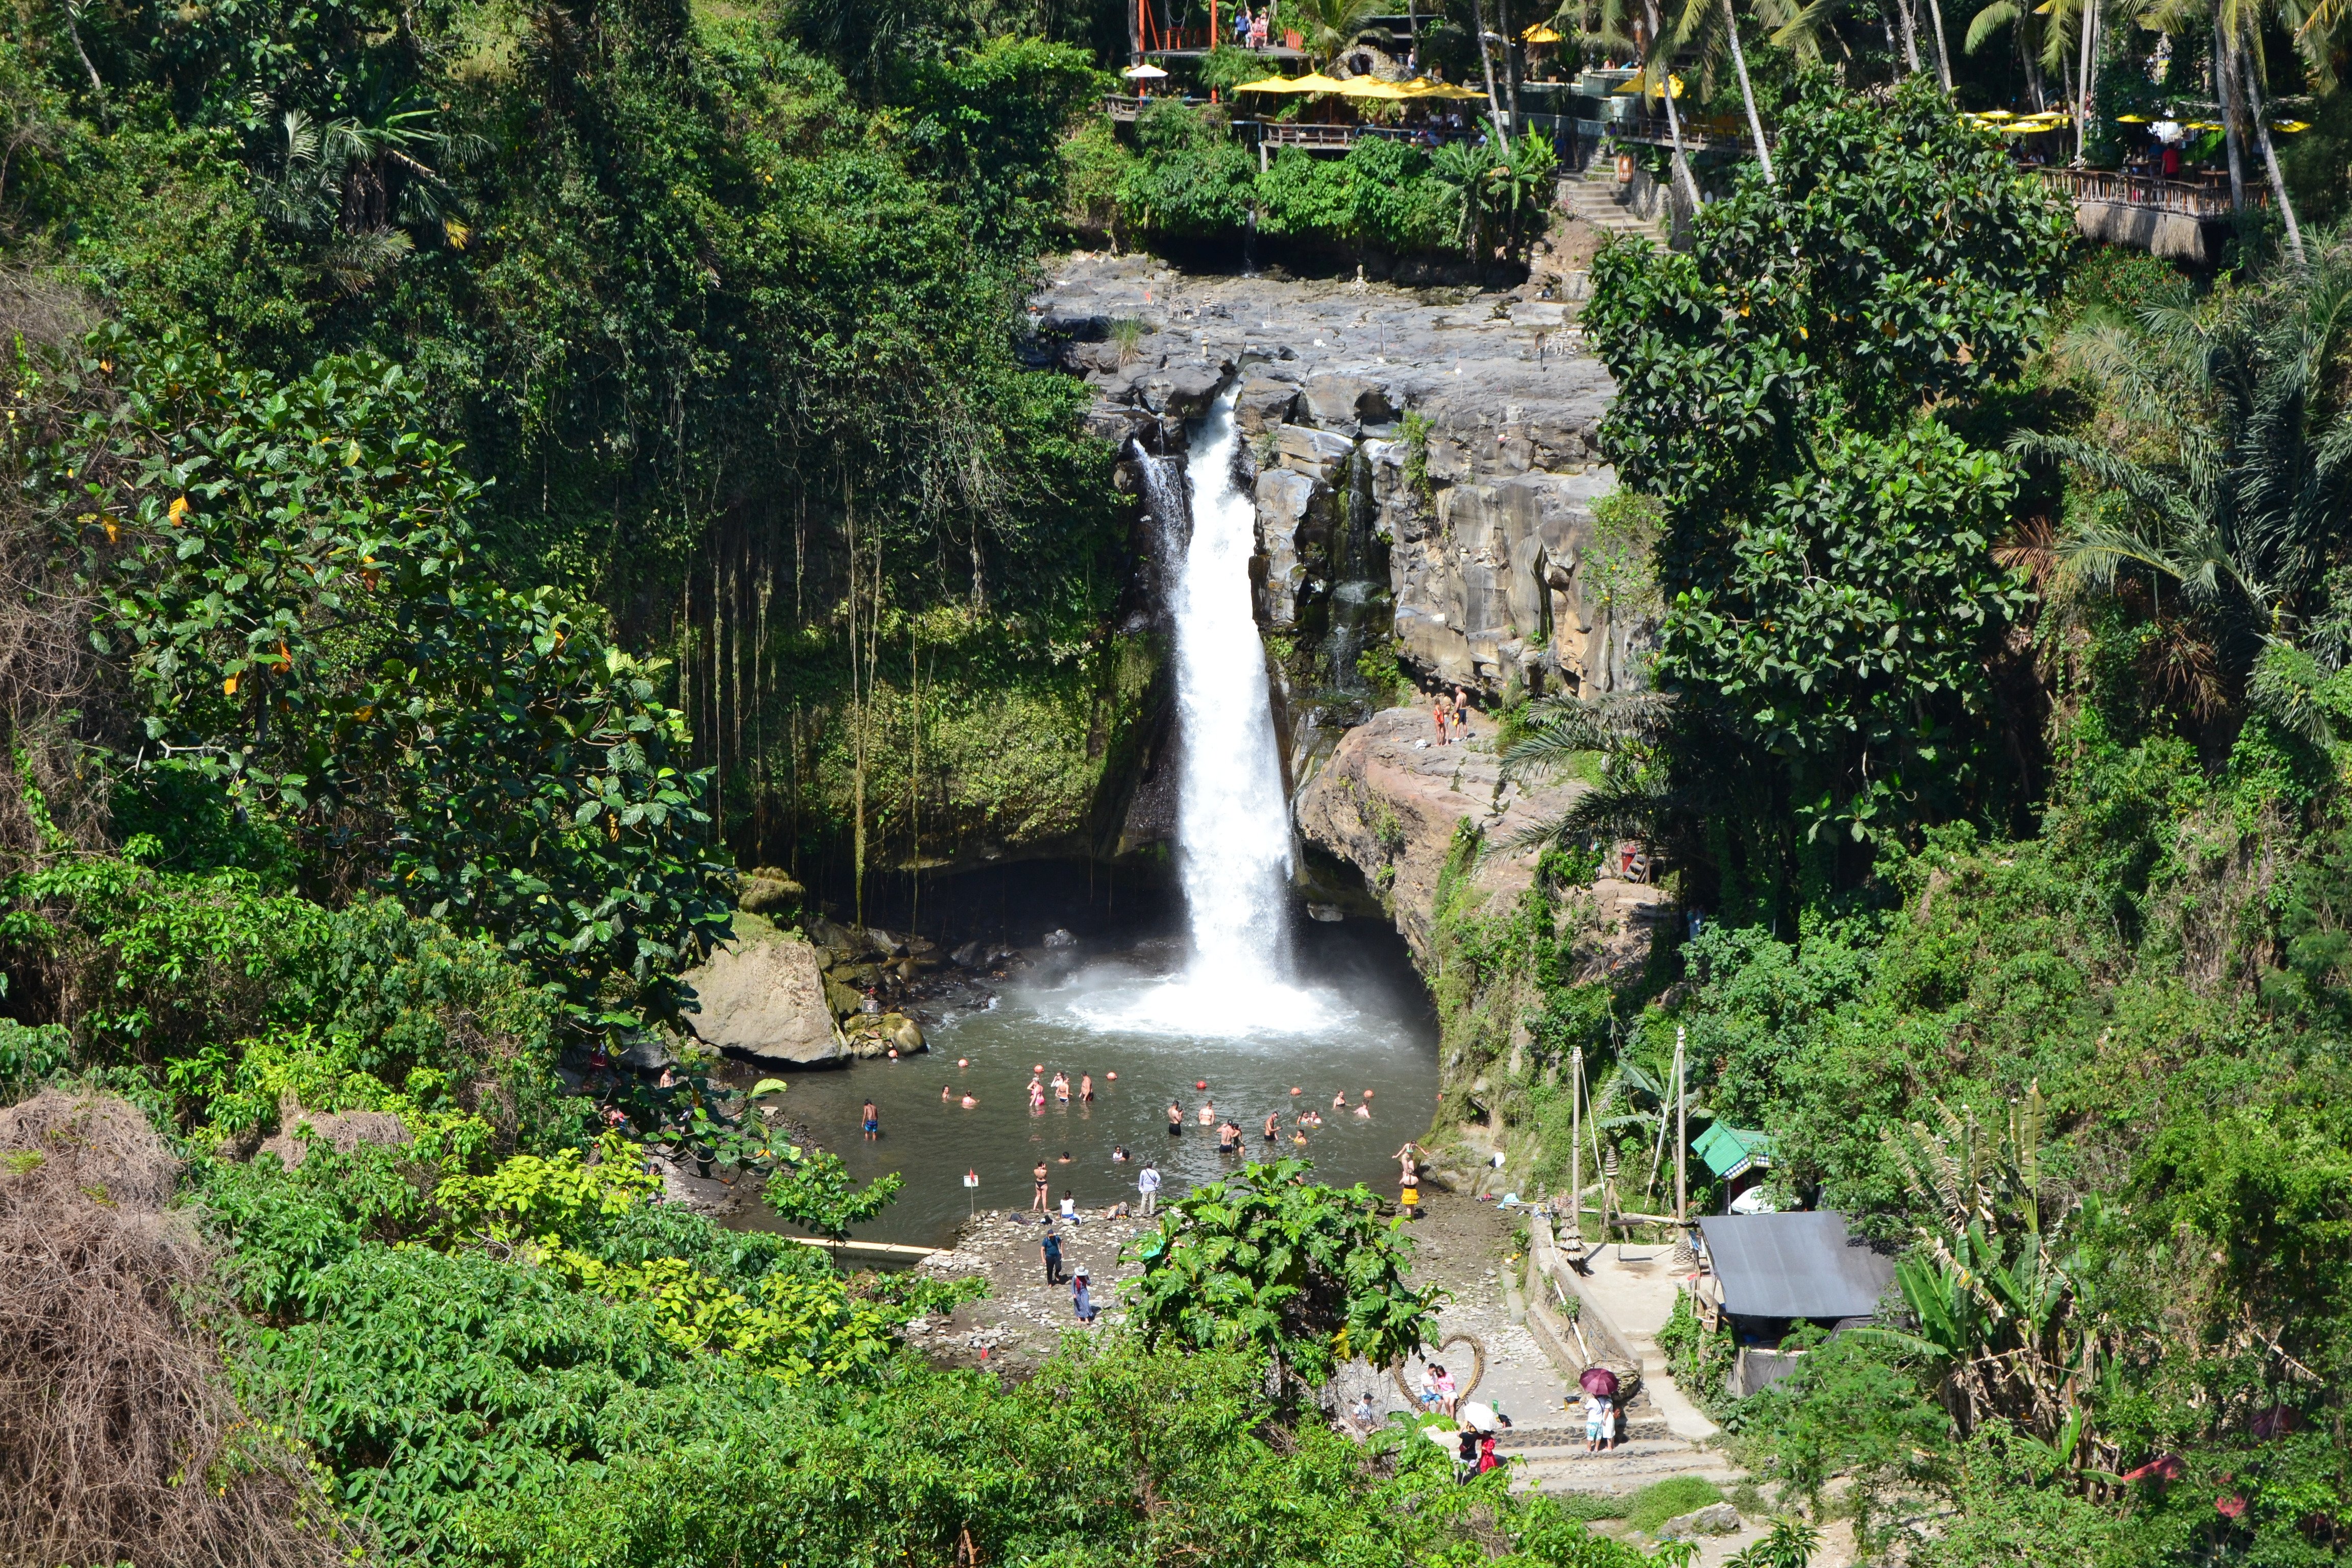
1148,1183
1437,717
1037,1203
1049,1249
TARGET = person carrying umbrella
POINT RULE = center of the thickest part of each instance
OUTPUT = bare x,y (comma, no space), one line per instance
1600,1385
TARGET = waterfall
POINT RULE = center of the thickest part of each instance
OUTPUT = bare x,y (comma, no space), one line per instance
1232,822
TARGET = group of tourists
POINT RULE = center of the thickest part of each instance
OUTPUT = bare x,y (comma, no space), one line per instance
1253,29
1450,715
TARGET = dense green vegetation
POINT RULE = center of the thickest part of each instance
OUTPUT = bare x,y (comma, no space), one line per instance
1998,746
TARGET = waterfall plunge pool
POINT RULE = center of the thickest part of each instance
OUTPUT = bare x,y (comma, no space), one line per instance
1355,1017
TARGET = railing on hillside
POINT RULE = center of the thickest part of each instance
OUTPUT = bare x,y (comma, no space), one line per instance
2189,198
1699,135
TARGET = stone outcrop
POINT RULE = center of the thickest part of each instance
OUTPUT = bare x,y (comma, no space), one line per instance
763,996
1389,802
1433,450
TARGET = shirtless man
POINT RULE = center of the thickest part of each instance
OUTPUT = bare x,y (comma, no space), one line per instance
1229,1139
1272,1125
1175,1120
1086,1086
873,1118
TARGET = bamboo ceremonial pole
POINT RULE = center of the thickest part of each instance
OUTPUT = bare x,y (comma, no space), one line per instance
1576,1147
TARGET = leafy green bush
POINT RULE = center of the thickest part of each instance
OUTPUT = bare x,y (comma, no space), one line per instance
1303,1276
1190,179
285,571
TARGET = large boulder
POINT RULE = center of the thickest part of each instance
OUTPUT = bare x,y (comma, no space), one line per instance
764,996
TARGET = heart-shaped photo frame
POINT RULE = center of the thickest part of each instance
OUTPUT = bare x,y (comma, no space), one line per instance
1463,1388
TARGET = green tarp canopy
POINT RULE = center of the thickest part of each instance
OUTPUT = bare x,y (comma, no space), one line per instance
1729,1151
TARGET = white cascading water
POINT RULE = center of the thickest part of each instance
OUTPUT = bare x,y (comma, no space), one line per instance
1232,824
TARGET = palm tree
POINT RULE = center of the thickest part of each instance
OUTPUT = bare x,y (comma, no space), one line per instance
1627,728
1648,35
2023,23
2238,71
1694,23
1328,27
2236,464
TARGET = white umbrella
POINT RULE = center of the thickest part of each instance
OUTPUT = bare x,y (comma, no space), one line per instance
1146,72
1471,1414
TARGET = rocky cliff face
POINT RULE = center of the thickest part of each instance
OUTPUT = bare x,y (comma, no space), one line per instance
1425,462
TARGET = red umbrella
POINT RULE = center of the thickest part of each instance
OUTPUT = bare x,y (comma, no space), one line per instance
1599,1382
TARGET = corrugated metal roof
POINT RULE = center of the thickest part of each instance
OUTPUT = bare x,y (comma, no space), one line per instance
1794,1265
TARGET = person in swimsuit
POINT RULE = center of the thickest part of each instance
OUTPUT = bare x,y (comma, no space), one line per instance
1036,1095
1086,1086
1461,714
1365,1109
1273,1126
1229,1138
1340,1100
1208,1113
946,1094
1037,1203
1437,717
1062,1088
1175,1120
969,1103
873,1122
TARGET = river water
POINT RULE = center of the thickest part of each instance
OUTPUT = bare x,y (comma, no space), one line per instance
1248,1004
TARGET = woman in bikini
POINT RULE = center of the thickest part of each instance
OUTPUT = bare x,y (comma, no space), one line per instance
1062,1088
1037,1203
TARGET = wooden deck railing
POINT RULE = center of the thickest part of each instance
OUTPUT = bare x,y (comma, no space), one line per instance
2189,198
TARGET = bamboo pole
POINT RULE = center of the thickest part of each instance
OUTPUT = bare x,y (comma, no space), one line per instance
1576,1146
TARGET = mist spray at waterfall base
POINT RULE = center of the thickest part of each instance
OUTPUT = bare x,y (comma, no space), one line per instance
1232,822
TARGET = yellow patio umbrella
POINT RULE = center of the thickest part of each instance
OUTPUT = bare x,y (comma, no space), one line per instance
1421,87
1634,84
2203,125
1539,34
2131,119
1996,114
2289,126
1316,82
1277,84
1372,86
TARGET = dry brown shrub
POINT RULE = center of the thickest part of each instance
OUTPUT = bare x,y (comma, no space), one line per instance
343,1133
119,1441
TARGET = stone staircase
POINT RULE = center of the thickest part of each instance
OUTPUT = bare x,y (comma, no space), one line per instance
1597,198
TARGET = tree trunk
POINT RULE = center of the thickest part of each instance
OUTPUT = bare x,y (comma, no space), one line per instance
2270,159
1910,36
1487,64
2082,85
1943,55
1510,67
1666,84
1747,93
2225,88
